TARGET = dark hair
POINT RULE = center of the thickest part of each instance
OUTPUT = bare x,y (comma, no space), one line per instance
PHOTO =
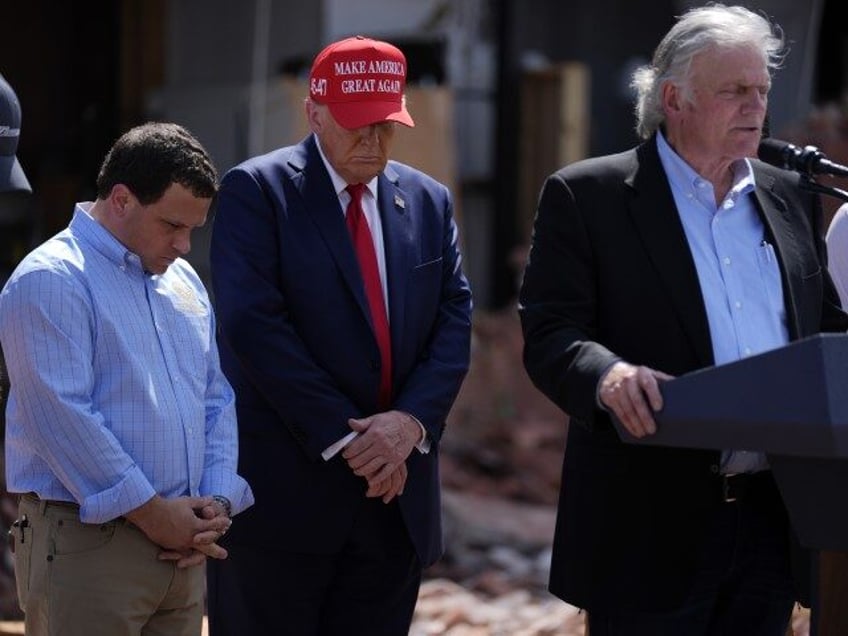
149,158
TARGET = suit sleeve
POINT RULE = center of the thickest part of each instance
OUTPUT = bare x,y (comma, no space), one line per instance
558,306
254,318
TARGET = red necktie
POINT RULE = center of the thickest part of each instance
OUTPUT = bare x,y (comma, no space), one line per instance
363,244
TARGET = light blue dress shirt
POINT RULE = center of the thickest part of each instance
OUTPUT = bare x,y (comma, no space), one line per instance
116,389
737,270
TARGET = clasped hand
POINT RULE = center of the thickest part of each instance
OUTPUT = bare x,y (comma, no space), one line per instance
187,528
379,452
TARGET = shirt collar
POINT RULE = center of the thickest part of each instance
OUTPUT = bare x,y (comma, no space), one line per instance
88,229
682,174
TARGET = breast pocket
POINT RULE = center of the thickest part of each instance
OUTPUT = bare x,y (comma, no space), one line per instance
424,289
191,336
771,279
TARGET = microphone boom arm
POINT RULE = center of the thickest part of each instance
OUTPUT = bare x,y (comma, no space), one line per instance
807,183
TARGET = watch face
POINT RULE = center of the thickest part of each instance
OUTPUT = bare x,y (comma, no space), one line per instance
225,503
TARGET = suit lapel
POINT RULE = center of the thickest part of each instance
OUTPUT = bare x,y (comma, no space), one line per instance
774,212
657,222
322,206
398,239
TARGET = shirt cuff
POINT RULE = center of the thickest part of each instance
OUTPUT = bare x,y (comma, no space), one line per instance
132,491
333,449
230,485
423,445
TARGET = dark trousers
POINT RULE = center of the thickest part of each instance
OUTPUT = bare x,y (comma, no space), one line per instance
743,586
369,588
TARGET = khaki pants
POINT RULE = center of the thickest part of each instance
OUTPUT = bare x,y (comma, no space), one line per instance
77,579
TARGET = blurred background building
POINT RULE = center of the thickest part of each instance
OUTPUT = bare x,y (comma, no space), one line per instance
504,91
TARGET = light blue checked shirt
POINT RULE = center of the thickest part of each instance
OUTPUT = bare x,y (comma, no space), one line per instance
117,393
737,269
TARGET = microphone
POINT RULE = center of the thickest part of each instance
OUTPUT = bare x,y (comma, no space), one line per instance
808,160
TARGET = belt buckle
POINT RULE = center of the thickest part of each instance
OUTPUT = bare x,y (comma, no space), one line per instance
727,495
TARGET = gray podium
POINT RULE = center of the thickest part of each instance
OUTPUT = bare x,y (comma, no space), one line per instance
792,404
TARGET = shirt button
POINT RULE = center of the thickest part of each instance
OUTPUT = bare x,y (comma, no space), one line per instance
738,304
726,260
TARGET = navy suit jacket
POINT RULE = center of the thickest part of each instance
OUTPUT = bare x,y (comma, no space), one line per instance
610,275
297,343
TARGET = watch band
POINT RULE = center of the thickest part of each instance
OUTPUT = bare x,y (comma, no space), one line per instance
225,503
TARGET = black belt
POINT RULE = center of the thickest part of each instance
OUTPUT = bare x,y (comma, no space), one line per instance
741,486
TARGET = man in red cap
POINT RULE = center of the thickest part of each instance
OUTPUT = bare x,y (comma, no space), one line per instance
345,325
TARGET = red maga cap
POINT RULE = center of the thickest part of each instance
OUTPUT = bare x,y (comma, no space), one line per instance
361,81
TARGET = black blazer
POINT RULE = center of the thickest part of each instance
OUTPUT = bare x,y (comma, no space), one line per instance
610,275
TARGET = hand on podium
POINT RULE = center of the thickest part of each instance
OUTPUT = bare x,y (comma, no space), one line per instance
632,393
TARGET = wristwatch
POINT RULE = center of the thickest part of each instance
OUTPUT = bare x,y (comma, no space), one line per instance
225,503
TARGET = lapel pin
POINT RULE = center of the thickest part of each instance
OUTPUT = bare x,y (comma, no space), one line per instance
400,202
